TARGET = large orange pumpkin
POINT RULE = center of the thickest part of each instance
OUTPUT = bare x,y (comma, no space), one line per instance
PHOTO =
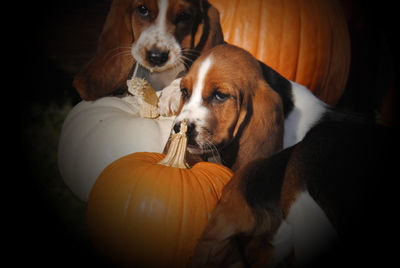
144,214
307,41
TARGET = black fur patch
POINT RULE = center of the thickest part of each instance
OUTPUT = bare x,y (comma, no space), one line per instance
262,181
281,85
350,170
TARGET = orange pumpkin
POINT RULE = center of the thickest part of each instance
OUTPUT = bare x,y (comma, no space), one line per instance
307,41
147,214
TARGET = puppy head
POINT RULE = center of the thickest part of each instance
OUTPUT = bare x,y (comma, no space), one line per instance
162,35
225,99
163,30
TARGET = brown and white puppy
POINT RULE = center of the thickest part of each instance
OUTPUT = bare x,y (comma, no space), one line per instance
163,36
243,109
282,206
230,107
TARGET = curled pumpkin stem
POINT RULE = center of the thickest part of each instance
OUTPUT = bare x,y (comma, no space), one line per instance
176,153
146,95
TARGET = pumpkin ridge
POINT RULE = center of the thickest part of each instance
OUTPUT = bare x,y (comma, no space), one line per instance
183,177
321,49
319,43
296,68
197,184
168,210
134,188
199,181
259,10
330,62
235,10
280,35
170,207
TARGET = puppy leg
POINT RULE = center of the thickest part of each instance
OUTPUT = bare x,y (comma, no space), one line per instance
234,236
242,226
218,245
169,99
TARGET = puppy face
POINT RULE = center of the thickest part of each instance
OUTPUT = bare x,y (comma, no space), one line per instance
214,95
163,32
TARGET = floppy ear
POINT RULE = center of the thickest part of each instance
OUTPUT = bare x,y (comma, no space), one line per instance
209,33
242,107
261,126
112,63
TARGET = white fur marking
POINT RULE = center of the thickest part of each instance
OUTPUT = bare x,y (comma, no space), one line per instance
199,85
162,15
307,110
157,36
307,230
193,110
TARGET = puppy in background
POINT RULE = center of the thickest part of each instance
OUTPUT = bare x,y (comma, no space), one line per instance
162,36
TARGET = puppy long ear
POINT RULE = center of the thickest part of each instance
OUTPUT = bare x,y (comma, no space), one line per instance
243,113
262,134
112,63
209,33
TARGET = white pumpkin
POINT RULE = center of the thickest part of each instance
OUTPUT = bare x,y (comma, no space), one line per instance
96,133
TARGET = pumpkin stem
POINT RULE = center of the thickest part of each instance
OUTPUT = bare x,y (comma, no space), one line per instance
176,153
145,94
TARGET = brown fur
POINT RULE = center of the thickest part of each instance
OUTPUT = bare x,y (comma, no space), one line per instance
236,231
113,62
292,184
249,124
217,242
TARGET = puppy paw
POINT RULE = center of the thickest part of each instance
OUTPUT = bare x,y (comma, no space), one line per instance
169,99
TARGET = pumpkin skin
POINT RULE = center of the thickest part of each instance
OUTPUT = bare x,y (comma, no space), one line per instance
148,215
96,133
305,41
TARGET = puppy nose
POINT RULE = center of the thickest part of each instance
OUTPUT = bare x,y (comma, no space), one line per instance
190,128
177,127
157,57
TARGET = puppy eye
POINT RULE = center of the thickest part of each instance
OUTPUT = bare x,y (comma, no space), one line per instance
143,11
182,17
185,93
219,96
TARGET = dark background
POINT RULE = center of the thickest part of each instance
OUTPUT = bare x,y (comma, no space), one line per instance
51,41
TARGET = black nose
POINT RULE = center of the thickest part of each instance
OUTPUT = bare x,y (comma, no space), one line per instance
177,127
190,128
157,57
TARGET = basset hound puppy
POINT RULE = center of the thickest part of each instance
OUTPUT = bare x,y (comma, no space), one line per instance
291,199
240,108
163,36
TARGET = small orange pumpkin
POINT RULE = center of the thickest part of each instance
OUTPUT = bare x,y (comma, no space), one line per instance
307,41
147,214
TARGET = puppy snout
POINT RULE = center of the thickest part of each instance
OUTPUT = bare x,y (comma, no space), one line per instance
190,129
157,57
177,127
